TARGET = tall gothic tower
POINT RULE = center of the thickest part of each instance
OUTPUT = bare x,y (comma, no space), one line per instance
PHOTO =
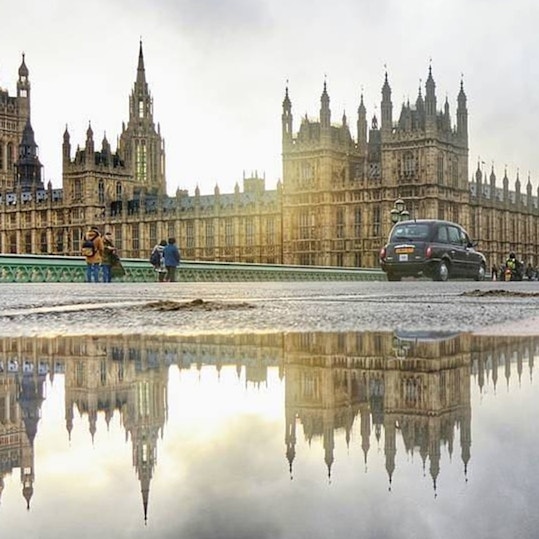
425,158
14,115
141,145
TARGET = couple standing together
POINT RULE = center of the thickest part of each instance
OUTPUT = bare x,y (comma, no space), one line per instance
100,253
165,259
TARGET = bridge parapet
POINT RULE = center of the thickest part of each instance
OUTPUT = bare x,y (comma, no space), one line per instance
71,269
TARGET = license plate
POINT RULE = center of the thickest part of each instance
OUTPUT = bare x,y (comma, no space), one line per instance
400,250
403,258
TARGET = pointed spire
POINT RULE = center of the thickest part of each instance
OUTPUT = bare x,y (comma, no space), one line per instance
386,108
492,178
361,109
141,76
286,101
386,89
462,95
23,70
325,113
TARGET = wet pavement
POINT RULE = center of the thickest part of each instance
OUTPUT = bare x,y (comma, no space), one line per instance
246,307
278,410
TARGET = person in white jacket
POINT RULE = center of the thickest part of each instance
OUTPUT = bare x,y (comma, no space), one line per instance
158,260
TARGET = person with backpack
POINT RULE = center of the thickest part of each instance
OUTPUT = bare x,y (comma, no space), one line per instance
109,257
171,254
92,250
157,260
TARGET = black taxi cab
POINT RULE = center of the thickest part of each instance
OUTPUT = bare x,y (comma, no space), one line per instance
431,248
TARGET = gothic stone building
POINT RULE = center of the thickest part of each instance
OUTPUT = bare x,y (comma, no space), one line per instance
332,207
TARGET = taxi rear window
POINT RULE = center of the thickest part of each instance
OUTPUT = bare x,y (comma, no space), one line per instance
410,232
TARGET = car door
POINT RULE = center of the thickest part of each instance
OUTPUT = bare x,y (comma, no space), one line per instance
472,258
457,251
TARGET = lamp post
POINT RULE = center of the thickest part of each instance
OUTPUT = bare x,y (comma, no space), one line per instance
399,212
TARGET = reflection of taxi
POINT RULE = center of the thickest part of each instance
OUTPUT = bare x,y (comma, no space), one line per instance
431,248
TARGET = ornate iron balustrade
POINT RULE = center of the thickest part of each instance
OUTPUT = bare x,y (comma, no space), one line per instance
70,269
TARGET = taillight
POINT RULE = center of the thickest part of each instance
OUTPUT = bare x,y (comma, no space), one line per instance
383,253
428,252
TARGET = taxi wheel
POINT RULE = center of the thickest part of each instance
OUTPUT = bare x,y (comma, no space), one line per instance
480,276
442,271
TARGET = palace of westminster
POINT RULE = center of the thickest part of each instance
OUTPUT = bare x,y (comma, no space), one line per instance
331,208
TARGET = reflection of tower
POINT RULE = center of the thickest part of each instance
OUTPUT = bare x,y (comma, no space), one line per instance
30,399
290,425
423,393
144,420
428,394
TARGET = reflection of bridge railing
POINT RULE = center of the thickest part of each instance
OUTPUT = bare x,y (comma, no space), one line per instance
44,268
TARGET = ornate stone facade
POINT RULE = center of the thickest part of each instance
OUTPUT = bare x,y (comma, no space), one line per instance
331,209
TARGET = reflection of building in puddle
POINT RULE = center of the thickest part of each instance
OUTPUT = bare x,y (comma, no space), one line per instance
420,388
416,386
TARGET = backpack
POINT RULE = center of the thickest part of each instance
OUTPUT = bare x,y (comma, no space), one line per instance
88,248
155,258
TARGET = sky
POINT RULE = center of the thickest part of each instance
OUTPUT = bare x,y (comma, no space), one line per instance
218,69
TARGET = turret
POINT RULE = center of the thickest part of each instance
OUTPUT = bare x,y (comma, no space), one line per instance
286,119
478,180
492,183
325,112
28,167
505,187
529,193
105,150
462,116
386,107
89,148
362,127
420,108
447,117
66,147
517,190
23,90
430,102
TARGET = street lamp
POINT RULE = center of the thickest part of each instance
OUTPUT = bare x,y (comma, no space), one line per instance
399,212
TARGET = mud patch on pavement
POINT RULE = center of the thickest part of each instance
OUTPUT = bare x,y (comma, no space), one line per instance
499,294
195,305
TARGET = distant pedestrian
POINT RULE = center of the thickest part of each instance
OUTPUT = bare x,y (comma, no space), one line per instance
92,250
157,260
494,272
171,254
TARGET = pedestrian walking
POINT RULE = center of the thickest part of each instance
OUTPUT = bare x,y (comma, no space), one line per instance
171,254
92,250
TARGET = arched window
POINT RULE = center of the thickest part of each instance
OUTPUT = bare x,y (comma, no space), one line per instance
409,165
43,247
118,191
13,243
28,243
140,161
59,241
101,192
77,190
10,156
440,169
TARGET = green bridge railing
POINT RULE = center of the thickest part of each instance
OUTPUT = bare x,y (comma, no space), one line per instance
71,269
